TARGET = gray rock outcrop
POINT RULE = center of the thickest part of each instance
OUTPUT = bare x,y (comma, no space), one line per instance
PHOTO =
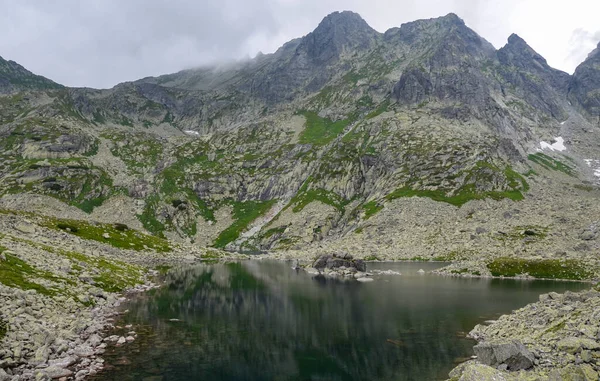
512,354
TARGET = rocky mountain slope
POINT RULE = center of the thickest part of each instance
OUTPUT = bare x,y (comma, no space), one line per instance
420,142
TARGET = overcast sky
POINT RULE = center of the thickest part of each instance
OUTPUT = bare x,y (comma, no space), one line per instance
99,43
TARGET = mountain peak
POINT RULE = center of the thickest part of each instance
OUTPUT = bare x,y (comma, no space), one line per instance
343,16
338,31
516,39
518,53
343,22
452,18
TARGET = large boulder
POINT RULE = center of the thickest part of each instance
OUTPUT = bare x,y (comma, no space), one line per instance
321,262
336,261
513,354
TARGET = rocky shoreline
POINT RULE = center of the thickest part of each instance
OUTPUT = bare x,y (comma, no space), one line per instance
49,338
557,338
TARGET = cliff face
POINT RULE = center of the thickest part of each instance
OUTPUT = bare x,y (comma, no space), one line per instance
307,144
585,84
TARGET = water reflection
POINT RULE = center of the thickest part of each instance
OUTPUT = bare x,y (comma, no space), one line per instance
265,321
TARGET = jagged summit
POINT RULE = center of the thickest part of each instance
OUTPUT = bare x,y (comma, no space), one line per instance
343,115
337,32
518,52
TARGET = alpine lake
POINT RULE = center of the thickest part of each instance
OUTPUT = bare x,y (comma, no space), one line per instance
263,320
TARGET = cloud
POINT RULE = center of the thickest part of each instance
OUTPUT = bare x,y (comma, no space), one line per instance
99,43
581,43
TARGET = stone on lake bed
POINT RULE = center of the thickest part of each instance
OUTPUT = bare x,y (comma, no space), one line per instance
364,279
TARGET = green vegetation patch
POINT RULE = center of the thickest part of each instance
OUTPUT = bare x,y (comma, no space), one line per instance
551,164
3,328
371,208
532,233
327,197
320,131
244,213
111,275
543,268
459,199
481,173
148,217
117,236
14,272
383,107
137,150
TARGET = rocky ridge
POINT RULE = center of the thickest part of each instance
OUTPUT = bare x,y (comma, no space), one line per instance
343,121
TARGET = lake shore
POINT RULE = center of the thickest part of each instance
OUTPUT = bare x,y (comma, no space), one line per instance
55,319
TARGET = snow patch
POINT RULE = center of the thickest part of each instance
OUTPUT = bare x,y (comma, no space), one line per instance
557,145
190,132
563,123
595,165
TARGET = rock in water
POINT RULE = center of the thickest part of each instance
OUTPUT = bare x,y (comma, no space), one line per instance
321,262
295,265
340,264
514,354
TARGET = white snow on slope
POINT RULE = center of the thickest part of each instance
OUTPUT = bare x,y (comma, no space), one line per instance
190,132
557,145
595,165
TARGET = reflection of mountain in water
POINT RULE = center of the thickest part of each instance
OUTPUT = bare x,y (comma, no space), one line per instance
264,321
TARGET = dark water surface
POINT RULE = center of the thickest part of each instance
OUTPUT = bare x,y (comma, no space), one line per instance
264,321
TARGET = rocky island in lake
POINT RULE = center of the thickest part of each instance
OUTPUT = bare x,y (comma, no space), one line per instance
156,209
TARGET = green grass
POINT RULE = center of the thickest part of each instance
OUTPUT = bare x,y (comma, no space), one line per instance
16,273
551,164
111,276
243,213
371,258
305,197
320,131
383,107
533,233
482,172
271,232
371,208
212,254
459,199
545,268
118,237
